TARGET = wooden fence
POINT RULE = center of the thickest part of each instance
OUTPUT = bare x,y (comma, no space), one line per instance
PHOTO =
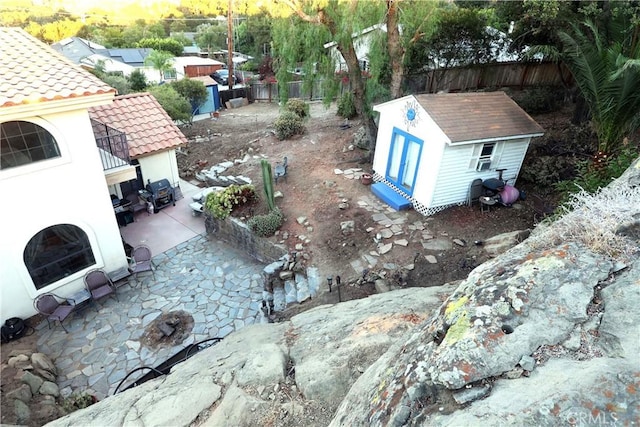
514,75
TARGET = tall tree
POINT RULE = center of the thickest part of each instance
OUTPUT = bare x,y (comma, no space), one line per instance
331,20
605,65
342,22
161,61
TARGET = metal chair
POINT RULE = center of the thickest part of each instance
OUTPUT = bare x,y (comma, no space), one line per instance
280,170
141,261
48,305
99,284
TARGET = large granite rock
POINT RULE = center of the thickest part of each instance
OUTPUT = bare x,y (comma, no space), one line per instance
544,334
326,349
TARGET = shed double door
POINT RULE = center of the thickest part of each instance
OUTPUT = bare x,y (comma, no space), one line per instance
404,159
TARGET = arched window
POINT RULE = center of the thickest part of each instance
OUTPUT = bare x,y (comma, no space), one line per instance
22,143
57,252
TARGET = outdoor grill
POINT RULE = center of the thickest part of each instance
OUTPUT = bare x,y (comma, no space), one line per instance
160,194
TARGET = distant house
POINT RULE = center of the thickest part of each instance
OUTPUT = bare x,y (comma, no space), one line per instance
193,66
361,42
59,221
151,137
429,148
125,61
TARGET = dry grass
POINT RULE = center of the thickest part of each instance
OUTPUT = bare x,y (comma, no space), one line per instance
595,220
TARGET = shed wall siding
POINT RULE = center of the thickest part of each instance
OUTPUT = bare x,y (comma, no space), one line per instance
453,181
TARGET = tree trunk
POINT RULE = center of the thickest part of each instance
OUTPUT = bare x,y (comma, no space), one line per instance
395,49
358,87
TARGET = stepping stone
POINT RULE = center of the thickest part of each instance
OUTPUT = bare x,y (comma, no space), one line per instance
401,242
383,249
437,245
386,233
431,259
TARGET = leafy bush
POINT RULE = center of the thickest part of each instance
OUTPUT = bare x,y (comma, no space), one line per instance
347,106
591,178
288,124
222,203
546,171
540,99
266,225
77,401
297,106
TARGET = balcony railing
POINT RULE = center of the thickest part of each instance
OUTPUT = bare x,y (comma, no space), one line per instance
112,144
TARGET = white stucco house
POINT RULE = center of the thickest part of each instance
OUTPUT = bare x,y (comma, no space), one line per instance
58,220
429,148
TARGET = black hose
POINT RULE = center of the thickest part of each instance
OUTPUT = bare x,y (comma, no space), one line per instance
187,355
136,370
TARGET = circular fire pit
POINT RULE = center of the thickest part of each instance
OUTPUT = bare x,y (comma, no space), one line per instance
168,329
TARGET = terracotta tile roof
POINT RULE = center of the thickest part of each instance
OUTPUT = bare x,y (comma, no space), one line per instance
480,115
148,127
32,72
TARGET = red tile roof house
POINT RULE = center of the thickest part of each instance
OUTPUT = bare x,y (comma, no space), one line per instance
55,173
429,148
151,135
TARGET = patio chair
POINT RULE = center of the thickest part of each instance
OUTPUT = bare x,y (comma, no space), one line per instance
49,306
141,261
280,170
99,284
475,191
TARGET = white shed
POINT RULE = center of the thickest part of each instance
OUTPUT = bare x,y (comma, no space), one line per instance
430,148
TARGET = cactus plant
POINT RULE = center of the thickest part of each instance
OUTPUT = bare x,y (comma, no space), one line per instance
267,181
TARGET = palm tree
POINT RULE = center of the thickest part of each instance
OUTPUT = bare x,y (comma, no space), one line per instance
161,61
605,65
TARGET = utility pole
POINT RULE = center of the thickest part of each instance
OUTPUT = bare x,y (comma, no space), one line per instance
230,44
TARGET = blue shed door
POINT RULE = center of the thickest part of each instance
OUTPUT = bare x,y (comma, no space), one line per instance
404,159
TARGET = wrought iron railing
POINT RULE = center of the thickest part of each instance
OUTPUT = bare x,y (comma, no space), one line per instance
112,144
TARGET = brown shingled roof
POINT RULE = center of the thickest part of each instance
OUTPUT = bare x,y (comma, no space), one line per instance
148,127
478,115
32,72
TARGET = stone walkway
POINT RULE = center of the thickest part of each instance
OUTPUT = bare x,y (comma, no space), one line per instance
219,286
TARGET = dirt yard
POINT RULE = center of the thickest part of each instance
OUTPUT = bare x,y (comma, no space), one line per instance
313,190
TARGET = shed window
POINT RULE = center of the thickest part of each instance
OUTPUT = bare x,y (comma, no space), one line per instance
485,156
57,252
22,143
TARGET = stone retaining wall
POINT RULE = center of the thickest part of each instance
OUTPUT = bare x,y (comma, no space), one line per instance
236,233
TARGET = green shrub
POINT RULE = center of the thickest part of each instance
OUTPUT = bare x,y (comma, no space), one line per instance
288,124
347,106
266,225
540,99
77,401
222,203
590,178
297,106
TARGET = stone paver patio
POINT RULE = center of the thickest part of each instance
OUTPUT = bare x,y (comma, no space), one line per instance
220,287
